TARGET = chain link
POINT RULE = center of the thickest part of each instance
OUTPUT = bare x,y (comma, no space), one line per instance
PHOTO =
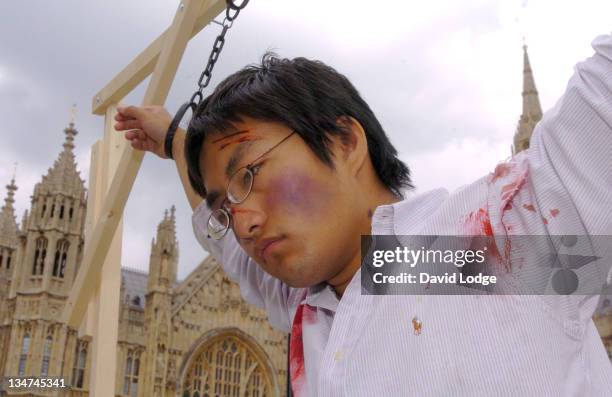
231,13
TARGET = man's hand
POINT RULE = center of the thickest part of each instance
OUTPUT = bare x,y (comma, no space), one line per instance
146,130
146,127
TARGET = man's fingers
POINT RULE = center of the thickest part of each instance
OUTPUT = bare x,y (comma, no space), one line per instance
128,125
137,134
137,144
130,112
132,134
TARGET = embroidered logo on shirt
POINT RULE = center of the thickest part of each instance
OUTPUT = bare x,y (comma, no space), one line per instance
417,325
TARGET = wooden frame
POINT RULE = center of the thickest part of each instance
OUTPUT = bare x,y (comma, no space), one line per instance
112,175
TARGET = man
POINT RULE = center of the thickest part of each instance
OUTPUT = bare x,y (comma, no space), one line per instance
292,160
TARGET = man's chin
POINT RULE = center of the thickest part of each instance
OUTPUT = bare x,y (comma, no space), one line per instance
277,267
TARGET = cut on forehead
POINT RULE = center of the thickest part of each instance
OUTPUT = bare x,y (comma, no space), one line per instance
237,145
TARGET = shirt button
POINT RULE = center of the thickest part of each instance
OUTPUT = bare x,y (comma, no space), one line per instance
338,355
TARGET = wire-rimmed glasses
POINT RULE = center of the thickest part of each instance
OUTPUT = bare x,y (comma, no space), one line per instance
238,189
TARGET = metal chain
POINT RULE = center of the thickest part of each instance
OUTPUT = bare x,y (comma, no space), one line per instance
231,13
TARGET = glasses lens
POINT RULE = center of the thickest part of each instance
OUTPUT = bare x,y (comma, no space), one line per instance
218,223
240,186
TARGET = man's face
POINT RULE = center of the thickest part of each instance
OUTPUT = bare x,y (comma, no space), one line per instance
298,222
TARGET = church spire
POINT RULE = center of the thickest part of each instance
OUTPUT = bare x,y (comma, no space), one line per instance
10,196
531,100
532,111
70,131
164,253
63,175
8,224
166,234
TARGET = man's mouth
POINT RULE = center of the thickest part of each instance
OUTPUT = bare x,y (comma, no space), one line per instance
265,246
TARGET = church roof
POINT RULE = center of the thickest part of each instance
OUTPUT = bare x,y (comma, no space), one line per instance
134,287
8,223
195,281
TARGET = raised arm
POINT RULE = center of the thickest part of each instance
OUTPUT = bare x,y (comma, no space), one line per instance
570,171
570,158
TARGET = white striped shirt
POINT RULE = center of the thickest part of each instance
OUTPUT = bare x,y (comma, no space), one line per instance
513,345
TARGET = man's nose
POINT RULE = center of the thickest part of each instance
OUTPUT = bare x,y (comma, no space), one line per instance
247,221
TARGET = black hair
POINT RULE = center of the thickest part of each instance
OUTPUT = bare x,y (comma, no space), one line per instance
305,95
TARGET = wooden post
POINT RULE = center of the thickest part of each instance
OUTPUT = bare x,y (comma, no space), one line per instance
103,314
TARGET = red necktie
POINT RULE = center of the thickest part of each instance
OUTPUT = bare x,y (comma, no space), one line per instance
296,354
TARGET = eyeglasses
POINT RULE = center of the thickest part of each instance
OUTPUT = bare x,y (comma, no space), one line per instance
238,189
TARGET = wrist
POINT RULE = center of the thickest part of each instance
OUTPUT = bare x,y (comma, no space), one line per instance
178,144
169,140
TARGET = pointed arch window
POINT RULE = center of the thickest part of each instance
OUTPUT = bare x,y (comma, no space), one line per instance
25,350
80,362
8,258
130,378
52,210
40,254
71,213
128,375
44,370
61,255
44,209
222,367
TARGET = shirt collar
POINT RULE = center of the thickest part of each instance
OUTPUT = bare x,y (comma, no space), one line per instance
322,295
407,216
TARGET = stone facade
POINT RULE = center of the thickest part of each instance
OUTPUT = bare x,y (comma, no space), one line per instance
194,337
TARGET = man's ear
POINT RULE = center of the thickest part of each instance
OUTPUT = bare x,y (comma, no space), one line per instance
352,143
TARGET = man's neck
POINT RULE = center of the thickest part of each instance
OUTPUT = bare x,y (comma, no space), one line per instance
342,279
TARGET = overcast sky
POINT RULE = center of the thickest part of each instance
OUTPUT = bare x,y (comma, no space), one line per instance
443,76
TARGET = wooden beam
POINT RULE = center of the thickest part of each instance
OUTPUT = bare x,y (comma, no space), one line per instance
114,203
138,70
107,296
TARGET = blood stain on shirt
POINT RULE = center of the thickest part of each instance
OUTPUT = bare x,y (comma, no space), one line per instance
501,170
529,207
309,316
554,212
479,224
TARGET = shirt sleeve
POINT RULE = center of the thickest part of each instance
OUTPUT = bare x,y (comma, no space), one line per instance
256,286
570,159
574,140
